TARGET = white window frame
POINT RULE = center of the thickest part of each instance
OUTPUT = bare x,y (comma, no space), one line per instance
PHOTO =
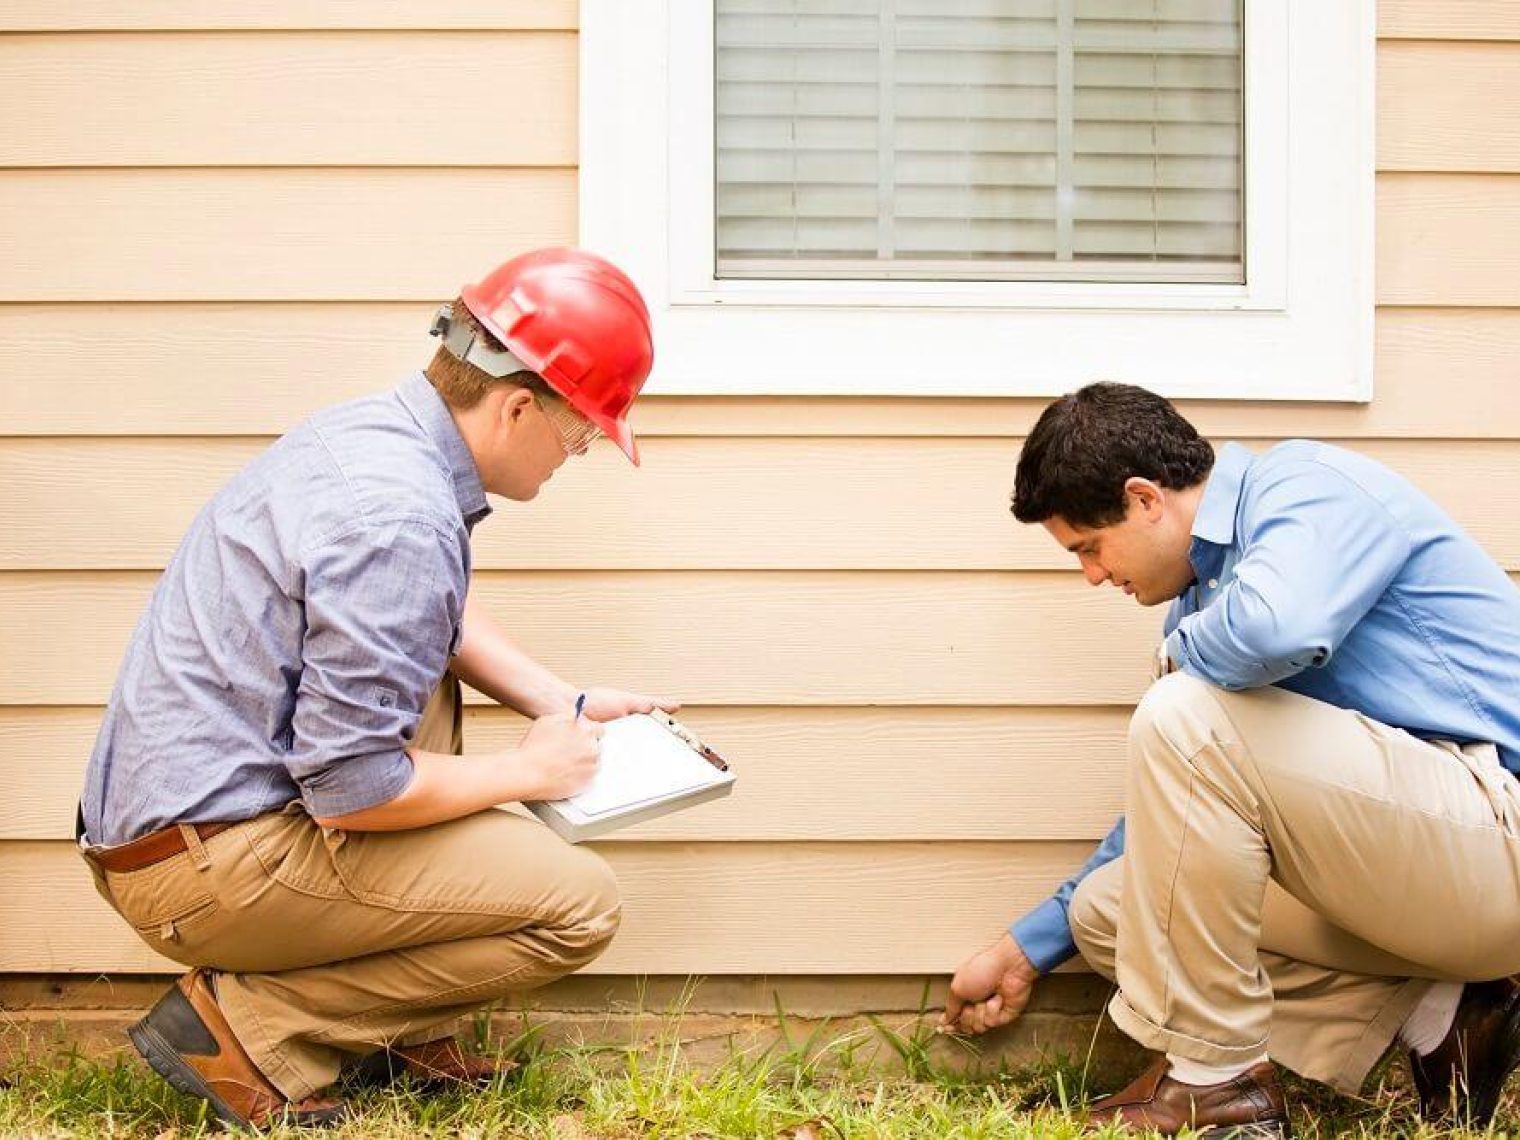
1300,328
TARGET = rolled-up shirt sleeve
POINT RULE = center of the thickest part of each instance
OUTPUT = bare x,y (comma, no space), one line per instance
382,601
1044,934
1317,553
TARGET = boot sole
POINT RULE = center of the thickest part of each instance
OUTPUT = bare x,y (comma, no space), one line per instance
164,1060
167,1063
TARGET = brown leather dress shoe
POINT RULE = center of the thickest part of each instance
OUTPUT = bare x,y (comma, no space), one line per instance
438,1065
1461,1079
189,1043
1250,1105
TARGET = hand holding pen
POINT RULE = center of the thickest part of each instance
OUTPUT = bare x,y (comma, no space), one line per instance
562,750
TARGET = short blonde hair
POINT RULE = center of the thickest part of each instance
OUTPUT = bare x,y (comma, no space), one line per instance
462,385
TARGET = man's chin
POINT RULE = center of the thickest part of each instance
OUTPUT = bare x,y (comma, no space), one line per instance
521,494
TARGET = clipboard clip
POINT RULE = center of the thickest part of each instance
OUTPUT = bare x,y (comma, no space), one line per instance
690,738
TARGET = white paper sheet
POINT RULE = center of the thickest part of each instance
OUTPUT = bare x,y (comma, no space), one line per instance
642,760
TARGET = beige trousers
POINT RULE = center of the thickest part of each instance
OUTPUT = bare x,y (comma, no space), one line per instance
334,943
1293,875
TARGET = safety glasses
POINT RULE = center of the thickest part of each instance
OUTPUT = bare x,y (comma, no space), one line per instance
576,433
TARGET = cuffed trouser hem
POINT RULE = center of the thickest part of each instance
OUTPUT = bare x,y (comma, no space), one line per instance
1351,1074
1164,1040
249,1031
1346,1073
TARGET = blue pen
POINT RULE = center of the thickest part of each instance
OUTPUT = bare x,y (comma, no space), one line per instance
580,705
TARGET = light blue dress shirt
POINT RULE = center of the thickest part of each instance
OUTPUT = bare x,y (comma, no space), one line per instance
293,641
1322,572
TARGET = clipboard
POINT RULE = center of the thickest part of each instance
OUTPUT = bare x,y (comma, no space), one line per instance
651,765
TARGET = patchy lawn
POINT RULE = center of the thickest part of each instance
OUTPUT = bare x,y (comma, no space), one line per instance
813,1090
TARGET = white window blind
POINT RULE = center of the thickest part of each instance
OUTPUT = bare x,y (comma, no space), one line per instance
1096,140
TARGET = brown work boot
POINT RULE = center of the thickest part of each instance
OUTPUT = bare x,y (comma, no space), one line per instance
1461,1079
1250,1105
437,1065
189,1043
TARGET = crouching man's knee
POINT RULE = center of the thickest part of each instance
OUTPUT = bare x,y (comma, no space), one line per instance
593,909
1093,914
1177,713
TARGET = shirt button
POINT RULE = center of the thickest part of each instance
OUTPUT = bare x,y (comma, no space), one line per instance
1213,583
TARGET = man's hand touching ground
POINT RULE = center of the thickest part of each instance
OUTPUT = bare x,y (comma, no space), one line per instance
990,989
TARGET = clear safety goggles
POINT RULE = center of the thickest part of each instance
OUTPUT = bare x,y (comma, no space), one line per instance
576,433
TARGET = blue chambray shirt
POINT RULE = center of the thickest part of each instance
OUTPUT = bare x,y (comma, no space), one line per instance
1321,571
294,639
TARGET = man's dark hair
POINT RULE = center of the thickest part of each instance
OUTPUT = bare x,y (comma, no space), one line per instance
1089,442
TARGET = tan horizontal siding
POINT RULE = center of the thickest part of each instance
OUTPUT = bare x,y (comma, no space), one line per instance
867,908
288,99
1448,239
868,773
730,638
260,15
74,369
1449,19
869,504
1448,107
258,234
218,369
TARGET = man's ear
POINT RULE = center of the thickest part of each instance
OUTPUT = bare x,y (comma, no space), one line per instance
512,407
1148,497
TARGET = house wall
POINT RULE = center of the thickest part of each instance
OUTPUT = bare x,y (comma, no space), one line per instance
220,216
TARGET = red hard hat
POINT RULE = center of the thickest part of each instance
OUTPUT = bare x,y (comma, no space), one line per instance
576,320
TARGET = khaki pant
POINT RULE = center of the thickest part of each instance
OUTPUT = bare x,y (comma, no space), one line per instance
1294,874
336,943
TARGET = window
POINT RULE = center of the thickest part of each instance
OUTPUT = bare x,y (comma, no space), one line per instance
1035,140
988,197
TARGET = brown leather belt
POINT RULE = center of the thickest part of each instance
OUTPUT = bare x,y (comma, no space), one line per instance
152,848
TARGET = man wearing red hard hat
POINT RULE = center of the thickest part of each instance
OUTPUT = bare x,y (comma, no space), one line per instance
276,798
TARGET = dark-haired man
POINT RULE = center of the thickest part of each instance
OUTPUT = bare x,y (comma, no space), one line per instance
1322,839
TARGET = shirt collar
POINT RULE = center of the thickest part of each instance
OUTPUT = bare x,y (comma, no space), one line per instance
427,406
1215,521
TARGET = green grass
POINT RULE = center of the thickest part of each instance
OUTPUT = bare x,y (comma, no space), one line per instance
877,1083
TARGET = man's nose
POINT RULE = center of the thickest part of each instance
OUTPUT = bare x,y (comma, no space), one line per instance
1094,573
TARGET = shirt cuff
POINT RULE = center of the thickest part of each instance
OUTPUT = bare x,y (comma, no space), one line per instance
1175,649
1044,934
356,783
